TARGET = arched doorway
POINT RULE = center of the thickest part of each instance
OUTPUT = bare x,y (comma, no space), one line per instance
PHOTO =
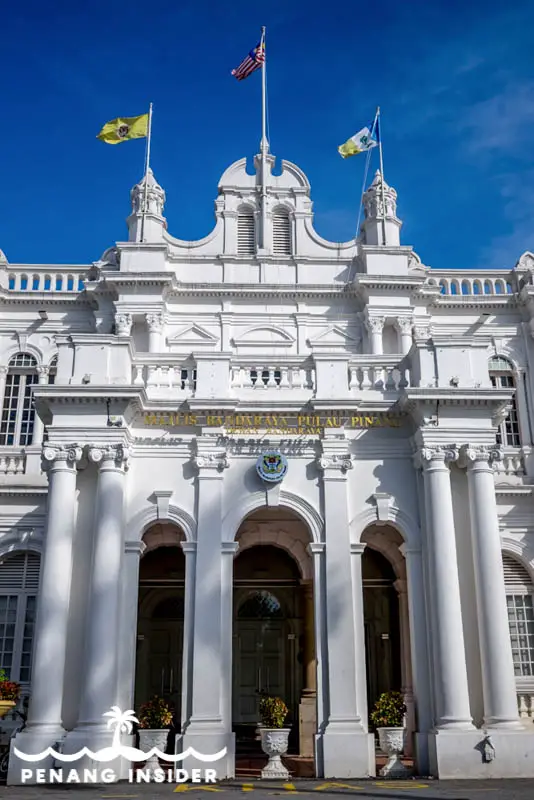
381,620
387,629
273,628
161,618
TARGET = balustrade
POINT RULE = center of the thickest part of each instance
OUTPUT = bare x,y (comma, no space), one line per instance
271,376
70,279
472,282
170,376
382,373
12,461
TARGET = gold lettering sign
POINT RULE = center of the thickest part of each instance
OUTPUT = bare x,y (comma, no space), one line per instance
287,424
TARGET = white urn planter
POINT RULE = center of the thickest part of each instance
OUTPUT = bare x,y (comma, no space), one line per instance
274,743
149,738
391,742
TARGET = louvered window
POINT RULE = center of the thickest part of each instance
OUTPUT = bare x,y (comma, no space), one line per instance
246,234
19,585
281,234
18,411
519,596
502,377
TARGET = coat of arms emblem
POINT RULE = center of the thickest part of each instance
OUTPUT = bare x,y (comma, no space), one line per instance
271,466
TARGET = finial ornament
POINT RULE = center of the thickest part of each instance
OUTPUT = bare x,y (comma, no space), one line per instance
155,196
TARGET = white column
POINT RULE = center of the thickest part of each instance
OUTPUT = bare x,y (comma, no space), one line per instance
406,664
128,622
38,426
155,329
498,682
54,594
229,550
190,550
449,667
404,327
345,742
375,327
419,650
356,553
317,550
100,680
208,729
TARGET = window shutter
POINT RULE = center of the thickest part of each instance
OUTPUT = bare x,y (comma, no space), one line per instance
246,240
516,578
281,235
19,572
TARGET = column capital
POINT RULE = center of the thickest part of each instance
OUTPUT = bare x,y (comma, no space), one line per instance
109,455
316,548
374,322
436,457
404,325
479,457
401,586
357,548
154,322
422,329
340,462
54,454
123,324
216,461
3,370
229,548
42,371
188,547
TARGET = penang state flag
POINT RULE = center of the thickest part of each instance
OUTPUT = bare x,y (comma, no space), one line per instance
124,128
251,63
359,143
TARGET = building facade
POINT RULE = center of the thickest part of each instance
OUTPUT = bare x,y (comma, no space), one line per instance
267,462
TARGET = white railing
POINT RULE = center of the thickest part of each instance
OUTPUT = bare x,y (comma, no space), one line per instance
512,462
382,373
472,282
525,704
180,378
262,375
12,461
45,279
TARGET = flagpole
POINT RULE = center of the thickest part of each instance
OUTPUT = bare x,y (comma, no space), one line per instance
147,166
381,173
264,147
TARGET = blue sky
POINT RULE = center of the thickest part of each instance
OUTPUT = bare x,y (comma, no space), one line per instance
455,81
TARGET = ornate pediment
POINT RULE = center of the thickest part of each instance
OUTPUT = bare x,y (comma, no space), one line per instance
264,336
334,337
193,336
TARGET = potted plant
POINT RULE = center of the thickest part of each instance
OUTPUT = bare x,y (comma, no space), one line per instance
274,737
388,719
155,719
9,693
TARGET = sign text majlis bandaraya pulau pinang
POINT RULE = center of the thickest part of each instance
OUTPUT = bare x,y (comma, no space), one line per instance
291,424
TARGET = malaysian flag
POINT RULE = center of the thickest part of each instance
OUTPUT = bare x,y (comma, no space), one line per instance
251,63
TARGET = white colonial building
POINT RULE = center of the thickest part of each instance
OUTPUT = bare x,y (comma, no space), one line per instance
142,552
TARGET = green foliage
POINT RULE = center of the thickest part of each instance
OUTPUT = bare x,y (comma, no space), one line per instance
155,714
389,711
9,690
273,712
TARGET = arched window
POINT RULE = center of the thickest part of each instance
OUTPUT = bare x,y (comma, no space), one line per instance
502,377
246,232
19,585
52,370
260,605
281,233
18,412
519,592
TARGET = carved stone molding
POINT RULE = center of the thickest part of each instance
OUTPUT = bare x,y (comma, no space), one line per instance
421,329
476,456
123,324
71,454
42,370
428,457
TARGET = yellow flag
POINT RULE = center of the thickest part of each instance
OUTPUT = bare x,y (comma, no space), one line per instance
124,128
